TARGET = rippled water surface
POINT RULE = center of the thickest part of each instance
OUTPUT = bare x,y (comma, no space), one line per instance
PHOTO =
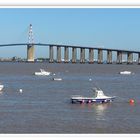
45,107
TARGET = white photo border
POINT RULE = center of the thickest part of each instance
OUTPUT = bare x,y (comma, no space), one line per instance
69,4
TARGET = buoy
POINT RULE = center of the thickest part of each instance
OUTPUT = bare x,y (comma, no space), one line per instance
20,90
131,101
90,79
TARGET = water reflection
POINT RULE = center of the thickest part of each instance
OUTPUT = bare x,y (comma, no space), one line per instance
99,110
1,92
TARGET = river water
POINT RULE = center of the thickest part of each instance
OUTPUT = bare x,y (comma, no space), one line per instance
44,105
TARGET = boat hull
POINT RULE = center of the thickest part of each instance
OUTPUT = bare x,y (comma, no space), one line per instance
57,79
105,100
42,74
126,72
1,87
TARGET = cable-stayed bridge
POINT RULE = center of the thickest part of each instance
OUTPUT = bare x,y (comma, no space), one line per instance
31,51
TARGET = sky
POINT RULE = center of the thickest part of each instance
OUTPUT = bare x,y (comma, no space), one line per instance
117,28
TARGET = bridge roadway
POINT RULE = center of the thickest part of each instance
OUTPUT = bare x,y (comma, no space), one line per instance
69,46
120,52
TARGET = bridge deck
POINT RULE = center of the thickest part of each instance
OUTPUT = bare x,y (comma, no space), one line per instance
70,46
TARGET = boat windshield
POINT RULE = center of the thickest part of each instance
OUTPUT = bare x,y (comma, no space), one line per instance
42,70
94,92
97,92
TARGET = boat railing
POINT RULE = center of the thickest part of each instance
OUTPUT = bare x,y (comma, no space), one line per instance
76,96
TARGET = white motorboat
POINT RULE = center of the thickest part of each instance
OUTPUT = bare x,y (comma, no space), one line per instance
98,97
57,79
43,72
126,72
1,87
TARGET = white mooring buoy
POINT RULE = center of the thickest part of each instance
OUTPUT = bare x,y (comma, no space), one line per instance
20,90
90,79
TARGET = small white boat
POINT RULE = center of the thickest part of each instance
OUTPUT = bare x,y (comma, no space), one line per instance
43,72
126,72
57,79
98,97
1,87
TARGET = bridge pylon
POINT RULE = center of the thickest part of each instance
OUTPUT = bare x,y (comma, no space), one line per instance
30,45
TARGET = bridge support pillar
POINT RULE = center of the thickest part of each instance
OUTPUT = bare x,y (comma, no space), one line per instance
91,56
30,53
139,58
74,55
66,55
109,57
51,54
58,54
100,56
119,57
82,55
129,58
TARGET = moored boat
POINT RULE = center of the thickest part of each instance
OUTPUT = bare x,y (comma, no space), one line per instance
1,87
98,97
125,72
57,79
42,72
